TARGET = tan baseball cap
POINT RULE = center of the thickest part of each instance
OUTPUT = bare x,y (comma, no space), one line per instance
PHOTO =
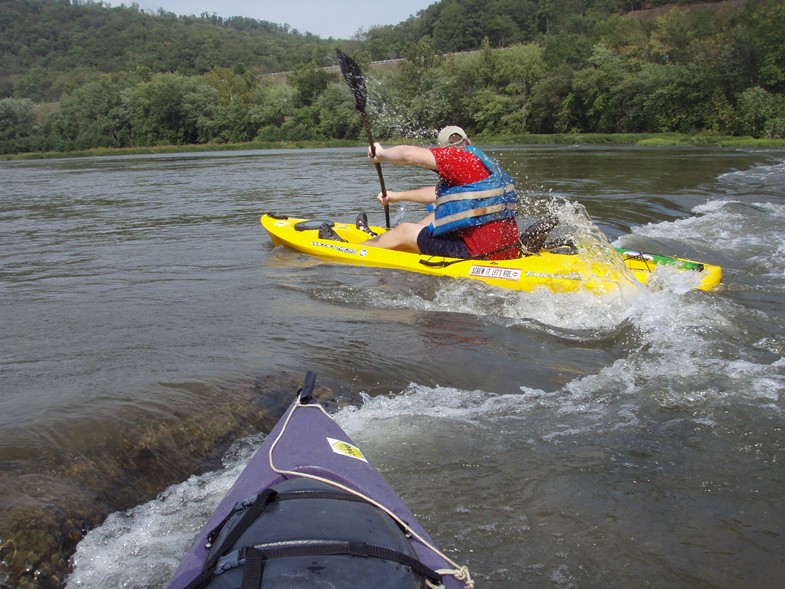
443,139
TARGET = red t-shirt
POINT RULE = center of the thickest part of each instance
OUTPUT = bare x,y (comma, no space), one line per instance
458,167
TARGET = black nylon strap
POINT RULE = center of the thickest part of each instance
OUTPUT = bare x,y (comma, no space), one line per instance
358,549
286,495
250,515
255,556
254,569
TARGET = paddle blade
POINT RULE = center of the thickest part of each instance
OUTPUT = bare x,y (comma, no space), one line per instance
354,78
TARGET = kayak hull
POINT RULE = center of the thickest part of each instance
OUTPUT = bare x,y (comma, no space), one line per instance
559,272
307,452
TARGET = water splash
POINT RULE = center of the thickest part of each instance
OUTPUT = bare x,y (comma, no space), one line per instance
759,176
141,548
391,119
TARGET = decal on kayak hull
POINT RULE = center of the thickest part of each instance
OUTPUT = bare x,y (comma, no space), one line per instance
346,449
340,248
495,272
555,275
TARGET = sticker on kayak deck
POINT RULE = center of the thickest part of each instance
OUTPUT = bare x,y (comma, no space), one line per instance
346,449
555,276
338,248
495,272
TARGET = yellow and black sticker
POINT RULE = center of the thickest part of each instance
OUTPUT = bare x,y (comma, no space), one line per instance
346,449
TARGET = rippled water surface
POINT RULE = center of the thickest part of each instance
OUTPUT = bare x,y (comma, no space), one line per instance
546,440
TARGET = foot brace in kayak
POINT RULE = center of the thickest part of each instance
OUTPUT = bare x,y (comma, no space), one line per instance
255,547
362,225
533,239
327,232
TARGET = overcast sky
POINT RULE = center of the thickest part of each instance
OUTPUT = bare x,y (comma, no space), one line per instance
327,18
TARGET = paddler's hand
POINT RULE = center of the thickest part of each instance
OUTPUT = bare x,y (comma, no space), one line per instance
378,150
391,197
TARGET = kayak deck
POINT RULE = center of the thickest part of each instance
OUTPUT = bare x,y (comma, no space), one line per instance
560,272
315,513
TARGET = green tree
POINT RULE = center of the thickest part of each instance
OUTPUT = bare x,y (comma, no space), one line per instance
720,115
498,87
420,58
235,90
302,125
759,27
595,91
567,49
440,101
625,36
449,31
271,105
35,84
123,77
17,125
519,67
174,109
664,98
338,117
492,113
552,100
757,110
671,37
310,81
523,14
98,113
204,114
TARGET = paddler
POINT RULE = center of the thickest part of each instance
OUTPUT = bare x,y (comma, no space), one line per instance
473,205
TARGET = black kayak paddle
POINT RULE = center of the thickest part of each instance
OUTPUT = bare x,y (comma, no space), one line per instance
354,78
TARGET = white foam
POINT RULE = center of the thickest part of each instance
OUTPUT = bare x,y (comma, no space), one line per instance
758,175
141,547
729,227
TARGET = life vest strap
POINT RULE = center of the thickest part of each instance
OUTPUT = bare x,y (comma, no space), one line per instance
476,195
474,213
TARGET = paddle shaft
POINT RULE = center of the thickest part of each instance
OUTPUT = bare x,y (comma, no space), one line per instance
377,164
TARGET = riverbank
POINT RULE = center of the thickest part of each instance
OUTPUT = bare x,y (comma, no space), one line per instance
643,139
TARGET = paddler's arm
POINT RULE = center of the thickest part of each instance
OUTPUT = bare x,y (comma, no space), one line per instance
425,195
403,154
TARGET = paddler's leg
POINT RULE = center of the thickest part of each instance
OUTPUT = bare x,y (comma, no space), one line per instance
402,238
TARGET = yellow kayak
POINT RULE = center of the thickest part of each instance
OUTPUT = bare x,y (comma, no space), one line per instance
556,270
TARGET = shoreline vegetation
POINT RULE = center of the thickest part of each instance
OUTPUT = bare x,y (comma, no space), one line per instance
631,139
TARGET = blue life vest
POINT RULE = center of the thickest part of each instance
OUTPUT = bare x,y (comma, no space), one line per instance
471,205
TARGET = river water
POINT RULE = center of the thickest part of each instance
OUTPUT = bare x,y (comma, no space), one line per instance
151,335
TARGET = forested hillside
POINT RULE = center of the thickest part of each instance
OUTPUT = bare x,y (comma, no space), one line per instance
76,75
48,46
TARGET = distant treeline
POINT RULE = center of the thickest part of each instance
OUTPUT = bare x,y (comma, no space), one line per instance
76,75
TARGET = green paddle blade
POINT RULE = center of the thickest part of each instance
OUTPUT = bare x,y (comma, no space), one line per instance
354,78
